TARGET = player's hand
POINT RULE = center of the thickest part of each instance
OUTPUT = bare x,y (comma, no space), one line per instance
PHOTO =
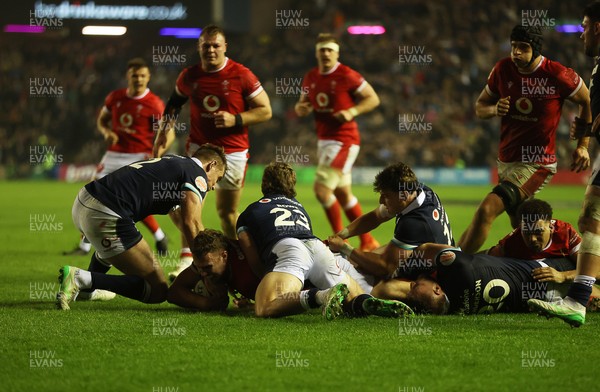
224,119
160,145
502,106
111,138
547,274
580,159
303,109
335,243
343,116
580,128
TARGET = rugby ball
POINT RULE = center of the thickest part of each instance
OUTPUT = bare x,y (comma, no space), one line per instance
202,290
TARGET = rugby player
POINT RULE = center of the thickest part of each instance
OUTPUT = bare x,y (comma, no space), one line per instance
221,266
226,98
127,121
419,214
527,91
336,94
106,210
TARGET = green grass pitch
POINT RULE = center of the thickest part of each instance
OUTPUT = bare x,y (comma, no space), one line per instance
123,345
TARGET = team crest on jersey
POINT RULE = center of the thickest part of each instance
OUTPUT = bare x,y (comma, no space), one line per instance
510,84
201,183
264,201
436,215
211,103
524,105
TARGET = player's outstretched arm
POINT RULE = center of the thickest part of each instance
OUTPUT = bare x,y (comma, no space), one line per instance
365,223
488,106
191,216
181,293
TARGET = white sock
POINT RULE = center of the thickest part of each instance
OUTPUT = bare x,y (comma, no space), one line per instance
304,299
84,245
83,278
185,251
351,203
330,201
159,235
585,280
321,296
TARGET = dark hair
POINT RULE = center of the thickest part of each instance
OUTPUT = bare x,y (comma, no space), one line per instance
210,31
208,152
208,241
592,11
136,63
396,177
279,178
534,210
530,34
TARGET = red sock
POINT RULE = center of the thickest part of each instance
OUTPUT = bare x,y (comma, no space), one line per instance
151,223
334,213
353,211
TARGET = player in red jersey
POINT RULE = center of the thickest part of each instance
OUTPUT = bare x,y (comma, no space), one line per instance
226,98
540,237
220,265
336,94
527,91
127,122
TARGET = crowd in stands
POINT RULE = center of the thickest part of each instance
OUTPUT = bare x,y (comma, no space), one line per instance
461,40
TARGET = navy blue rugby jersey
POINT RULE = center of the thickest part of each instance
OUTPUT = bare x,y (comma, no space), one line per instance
424,220
271,219
150,187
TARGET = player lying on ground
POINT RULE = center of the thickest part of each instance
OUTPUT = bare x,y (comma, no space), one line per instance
276,236
106,210
219,268
472,284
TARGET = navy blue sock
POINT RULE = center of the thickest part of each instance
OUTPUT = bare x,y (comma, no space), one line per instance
355,307
580,292
96,266
312,298
128,286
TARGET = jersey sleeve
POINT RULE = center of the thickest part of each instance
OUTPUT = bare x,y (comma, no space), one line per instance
251,86
569,82
409,233
242,222
197,183
109,101
356,81
493,82
507,243
182,84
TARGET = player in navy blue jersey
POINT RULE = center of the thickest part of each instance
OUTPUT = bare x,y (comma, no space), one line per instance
420,218
573,308
106,210
472,284
276,236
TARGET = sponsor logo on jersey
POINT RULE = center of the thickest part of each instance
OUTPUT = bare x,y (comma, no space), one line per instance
436,215
322,99
524,105
211,103
201,183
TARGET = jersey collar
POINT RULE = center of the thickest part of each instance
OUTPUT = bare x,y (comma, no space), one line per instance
222,66
142,95
332,70
198,162
416,203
